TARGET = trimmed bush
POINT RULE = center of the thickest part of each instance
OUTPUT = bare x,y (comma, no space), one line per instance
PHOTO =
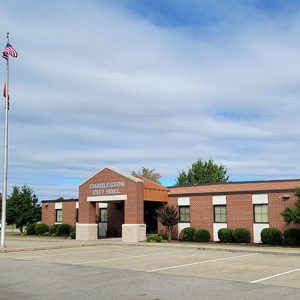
241,235
154,238
30,229
271,236
63,229
53,229
187,234
201,235
41,229
292,237
73,233
225,235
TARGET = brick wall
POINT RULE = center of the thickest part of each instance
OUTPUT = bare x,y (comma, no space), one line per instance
201,213
276,206
87,210
240,211
69,212
48,213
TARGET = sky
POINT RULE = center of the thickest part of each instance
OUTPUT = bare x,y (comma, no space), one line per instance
154,83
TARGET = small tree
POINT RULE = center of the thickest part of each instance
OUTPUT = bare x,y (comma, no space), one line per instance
147,173
168,217
292,214
22,207
203,172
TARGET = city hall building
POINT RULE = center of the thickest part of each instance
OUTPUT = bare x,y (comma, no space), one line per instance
115,204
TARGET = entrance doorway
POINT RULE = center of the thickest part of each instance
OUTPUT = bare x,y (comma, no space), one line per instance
150,215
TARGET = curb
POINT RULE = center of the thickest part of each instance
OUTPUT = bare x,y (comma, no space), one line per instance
142,244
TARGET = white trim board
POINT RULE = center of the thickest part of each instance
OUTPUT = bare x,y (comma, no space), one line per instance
182,226
216,228
260,199
58,205
106,198
219,200
257,228
183,201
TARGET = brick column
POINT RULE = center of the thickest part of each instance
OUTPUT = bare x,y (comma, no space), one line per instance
134,229
240,211
86,228
134,205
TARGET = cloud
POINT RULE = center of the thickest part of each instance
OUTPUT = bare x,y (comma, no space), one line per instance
101,84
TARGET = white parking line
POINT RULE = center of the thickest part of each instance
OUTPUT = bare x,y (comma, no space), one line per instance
202,262
130,257
73,253
276,275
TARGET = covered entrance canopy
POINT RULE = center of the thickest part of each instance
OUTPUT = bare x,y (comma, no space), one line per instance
155,195
112,186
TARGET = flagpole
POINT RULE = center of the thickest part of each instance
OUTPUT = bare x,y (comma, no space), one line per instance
5,154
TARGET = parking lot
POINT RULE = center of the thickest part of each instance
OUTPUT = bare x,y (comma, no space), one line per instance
260,275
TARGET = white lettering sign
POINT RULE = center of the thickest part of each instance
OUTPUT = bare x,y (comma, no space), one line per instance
107,188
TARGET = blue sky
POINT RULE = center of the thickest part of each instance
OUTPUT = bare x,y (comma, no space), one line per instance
151,83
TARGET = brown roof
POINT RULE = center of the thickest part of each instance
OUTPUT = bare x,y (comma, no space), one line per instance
151,185
250,186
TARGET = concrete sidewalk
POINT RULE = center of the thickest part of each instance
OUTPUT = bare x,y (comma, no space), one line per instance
18,244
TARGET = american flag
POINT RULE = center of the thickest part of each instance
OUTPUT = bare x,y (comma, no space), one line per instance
5,56
9,50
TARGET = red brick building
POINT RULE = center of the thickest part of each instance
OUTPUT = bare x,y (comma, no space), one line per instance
113,203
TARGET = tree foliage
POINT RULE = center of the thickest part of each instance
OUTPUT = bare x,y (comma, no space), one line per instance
203,172
22,207
168,217
147,173
292,214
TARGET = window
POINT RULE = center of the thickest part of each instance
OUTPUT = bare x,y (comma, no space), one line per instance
220,214
58,216
261,214
103,215
77,215
184,214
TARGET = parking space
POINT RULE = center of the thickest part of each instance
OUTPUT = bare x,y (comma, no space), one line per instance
254,268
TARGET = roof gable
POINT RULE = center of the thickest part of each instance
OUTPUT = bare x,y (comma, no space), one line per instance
128,176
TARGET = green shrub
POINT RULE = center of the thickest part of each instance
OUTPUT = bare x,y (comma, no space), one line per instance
30,229
154,238
63,229
241,235
41,229
271,236
72,234
201,235
187,234
225,235
292,237
53,229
